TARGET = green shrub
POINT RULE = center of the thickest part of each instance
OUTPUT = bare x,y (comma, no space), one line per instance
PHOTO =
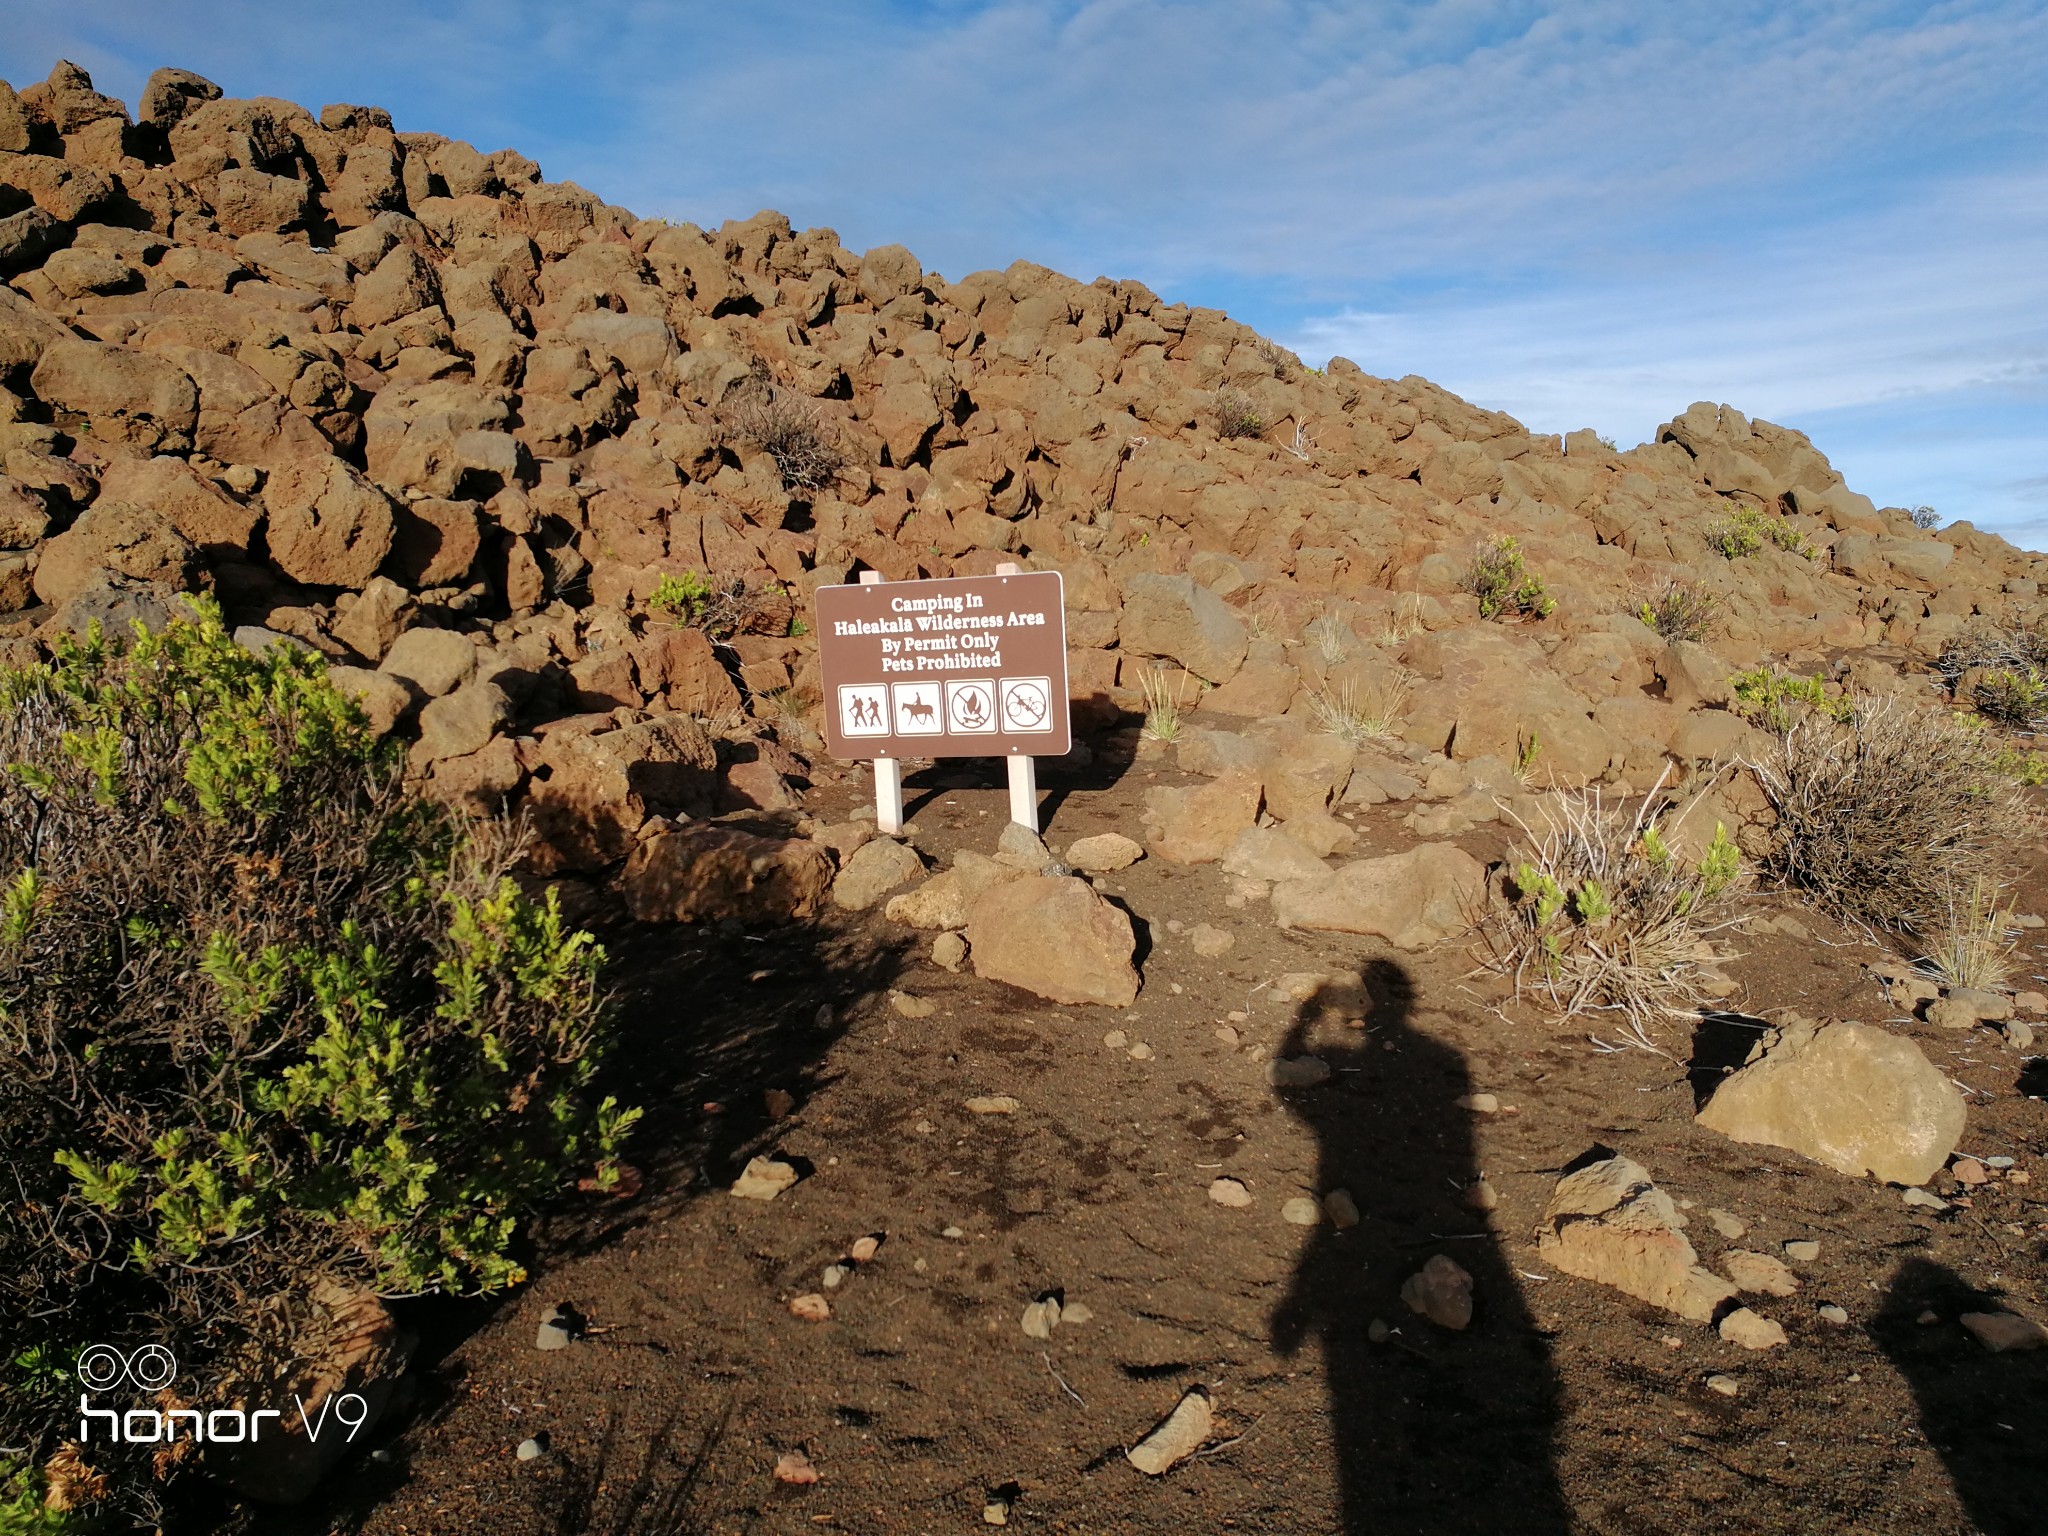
721,609
1776,699
2017,698
1680,610
265,1020
1499,576
1746,530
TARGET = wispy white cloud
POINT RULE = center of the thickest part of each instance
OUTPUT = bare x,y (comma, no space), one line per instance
1592,211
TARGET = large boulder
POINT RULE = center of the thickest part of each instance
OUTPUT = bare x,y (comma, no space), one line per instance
700,871
125,396
1053,936
1855,1097
329,527
1177,617
200,510
592,791
1411,899
947,900
1199,823
874,870
139,543
1609,1223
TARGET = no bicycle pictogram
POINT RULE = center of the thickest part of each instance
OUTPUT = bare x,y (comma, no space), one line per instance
1026,703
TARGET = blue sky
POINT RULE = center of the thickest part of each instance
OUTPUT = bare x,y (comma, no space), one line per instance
1833,215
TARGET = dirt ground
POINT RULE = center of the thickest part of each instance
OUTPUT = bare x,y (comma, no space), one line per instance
1566,1407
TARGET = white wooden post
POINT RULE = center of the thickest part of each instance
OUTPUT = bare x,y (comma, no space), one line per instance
1024,790
1023,767
888,771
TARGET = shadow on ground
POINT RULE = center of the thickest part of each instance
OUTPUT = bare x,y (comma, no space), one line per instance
1434,1431
711,1018
1986,1415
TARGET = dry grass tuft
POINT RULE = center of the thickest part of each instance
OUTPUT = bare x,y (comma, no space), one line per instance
1974,945
1356,715
1886,813
1165,700
793,432
1603,914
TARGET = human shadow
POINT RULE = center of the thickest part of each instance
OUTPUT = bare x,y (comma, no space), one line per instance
1437,1430
1985,1414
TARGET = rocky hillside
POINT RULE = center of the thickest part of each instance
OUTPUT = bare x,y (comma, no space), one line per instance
492,444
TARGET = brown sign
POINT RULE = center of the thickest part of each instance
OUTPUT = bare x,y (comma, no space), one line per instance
965,666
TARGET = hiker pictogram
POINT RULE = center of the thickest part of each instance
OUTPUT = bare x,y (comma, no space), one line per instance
863,710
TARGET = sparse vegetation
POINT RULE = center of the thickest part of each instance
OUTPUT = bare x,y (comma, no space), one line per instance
1499,576
1526,754
1776,699
265,1020
1681,610
1886,810
721,609
793,432
1165,699
2001,669
1925,517
1973,946
1606,442
1746,530
1356,715
1236,416
1603,914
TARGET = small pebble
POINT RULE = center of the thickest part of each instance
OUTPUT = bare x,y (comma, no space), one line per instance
1480,1103
1227,1035
911,1006
1803,1250
953,1232
1378,1331
993,1104
1830,1313
835,1276
534,1448
811,1307
1341,1209
1928,1318
1229,1192
1141,1052
1727,1386
1968,1170
1923,1200
1116,1039
1481,1196
1301,1212
1998,1162
864,1249
1727,1224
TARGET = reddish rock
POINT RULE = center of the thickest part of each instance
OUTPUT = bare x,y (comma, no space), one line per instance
700,872
1053,936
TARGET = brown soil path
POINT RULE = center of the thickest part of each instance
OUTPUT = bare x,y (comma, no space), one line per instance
1565,1408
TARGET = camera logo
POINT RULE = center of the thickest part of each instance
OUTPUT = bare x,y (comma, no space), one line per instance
103,1368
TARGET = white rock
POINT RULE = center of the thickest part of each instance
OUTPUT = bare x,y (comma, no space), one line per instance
1178,1437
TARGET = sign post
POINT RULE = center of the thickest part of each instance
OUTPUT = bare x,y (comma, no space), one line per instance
960,666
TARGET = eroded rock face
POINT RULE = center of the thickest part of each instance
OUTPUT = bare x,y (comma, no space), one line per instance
1855,1097
1609,1223
1200,823
125,396
1053,936
1173,616
1414,899
698,872
329,525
